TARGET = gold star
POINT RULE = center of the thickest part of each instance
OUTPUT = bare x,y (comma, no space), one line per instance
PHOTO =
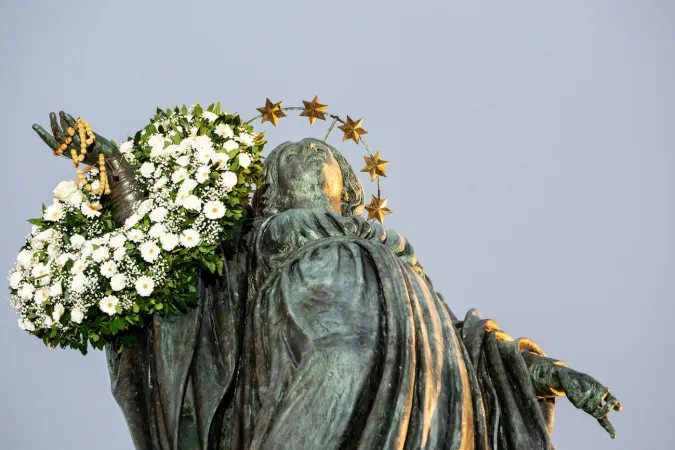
352,130
375,166
377,209
314,110
271,112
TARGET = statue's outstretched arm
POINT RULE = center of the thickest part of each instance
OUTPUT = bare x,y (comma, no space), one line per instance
551,377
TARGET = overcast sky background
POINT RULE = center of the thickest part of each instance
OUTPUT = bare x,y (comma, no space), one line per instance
531,158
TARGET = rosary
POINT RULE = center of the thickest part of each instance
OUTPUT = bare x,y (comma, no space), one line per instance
86,139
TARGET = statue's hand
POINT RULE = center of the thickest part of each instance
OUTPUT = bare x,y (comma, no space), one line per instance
58,136
587,394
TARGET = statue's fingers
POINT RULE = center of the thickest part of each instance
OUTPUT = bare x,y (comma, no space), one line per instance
595,400
46,137
67,121
602,412
607,425
56,131
100,139
617,405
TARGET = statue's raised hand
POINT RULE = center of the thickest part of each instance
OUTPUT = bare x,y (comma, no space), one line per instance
587,394
58,136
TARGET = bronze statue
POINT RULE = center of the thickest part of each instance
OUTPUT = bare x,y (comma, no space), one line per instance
325,332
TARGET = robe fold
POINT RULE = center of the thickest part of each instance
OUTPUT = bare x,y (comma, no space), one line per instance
326,334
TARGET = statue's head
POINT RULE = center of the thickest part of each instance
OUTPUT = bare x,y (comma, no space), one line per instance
308,174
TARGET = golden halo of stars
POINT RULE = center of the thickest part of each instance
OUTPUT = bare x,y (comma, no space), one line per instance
351,129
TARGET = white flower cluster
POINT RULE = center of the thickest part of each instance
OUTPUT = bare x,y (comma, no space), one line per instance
108,272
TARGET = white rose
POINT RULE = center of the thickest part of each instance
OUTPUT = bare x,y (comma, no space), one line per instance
76,315
159,214
244,160
79,283
188,185
25,258
208,115
26,291
118,241
229,179
63,259
77,240
118,255
15,280
157,230
101,254
126,147
224,130
118,282
168,241
145,207
76,198
147,169
160,183
132,220
55,290
58,312
230,145
64,190
183,160
192,202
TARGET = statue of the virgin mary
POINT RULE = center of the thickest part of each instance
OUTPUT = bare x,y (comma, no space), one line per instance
324,332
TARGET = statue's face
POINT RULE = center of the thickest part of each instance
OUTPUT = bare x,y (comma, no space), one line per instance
310,177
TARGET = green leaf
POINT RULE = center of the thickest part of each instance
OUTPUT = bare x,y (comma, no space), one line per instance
37,222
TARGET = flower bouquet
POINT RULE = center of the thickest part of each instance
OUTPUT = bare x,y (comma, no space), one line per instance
96,265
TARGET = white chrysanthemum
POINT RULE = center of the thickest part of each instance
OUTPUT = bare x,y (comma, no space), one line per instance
26,291
208,115
44,235
118,282
118,255
78,266
192,203
101,254
58,312
40,296
224,130
63,259
172,150
183,160
64,190
108,304
214,210
168,241
118,241
40,270
149,251
158,151
76,315
229,179
91,210
108,269
76,198
159,184
181,196
15,279
203,174
55,290
54,212
205,156
190,238
135,235
79,283
159,214
132,220
244,160
157,231
246,139
230,145
144,286
179,175
77,240
126,147
147,169
222,159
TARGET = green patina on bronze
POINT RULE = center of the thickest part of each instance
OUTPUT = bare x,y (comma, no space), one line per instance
325,332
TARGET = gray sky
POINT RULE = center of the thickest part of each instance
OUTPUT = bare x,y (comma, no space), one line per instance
530,147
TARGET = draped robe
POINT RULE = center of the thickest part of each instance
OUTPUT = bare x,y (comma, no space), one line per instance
326,333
